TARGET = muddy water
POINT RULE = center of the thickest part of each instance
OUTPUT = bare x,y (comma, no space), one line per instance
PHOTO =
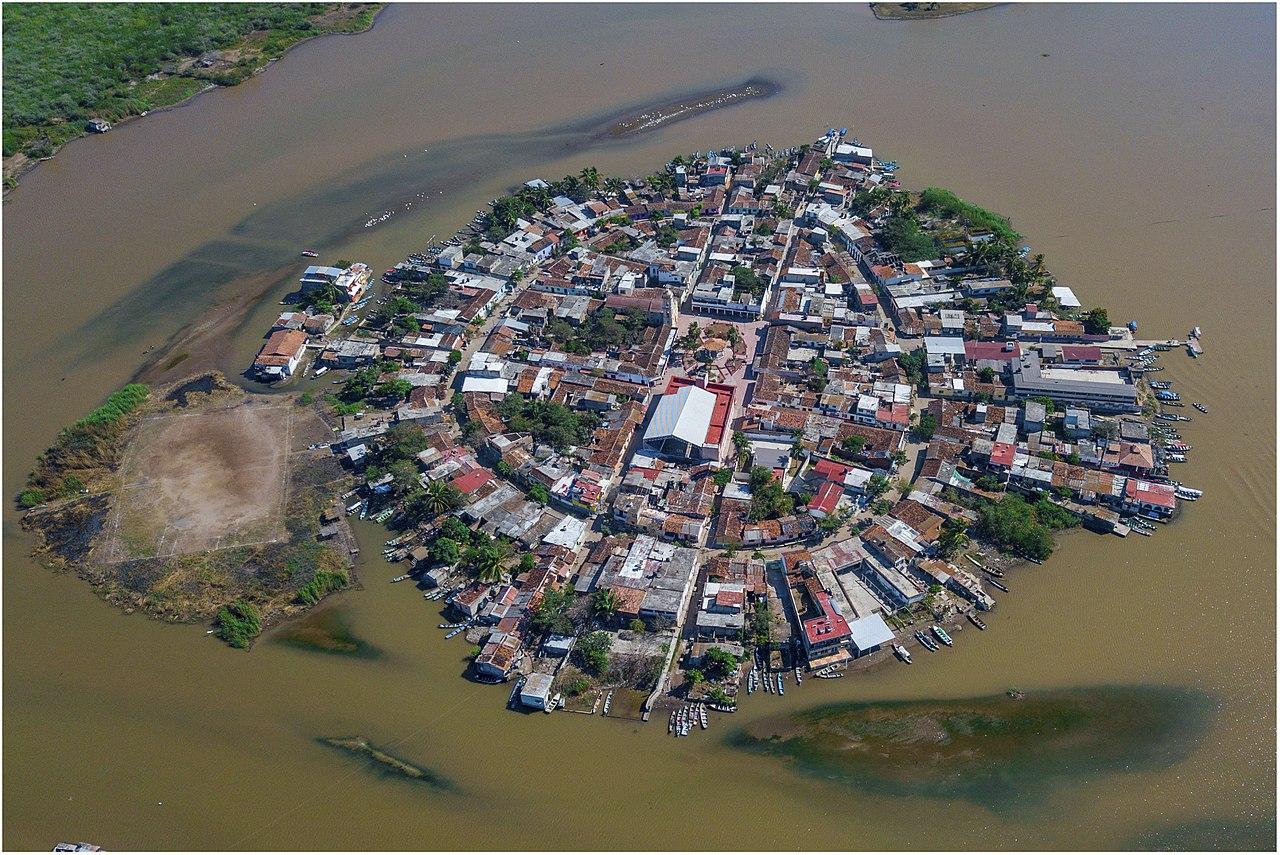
1143,167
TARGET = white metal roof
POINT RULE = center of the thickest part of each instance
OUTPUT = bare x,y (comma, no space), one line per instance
1066,297
684,414
869,631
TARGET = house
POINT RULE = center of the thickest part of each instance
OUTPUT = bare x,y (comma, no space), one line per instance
498,656
1148,497
1075,422
280,356
317,277
471,599
824,504
536,691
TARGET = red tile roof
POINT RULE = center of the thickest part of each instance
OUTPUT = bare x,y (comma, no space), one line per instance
1002,454
471,481
827,499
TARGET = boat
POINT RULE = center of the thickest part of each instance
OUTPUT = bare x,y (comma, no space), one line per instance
942,635
671,723
323,369
902,653
797,675
1140,530
925,641
1201,407
1195,332
1133,326
453,632
1176,458
1188,493
555,702
976,621
608,701
309,253
999,574
782,690
998,584
1194,348
402,577
702,716
1166,417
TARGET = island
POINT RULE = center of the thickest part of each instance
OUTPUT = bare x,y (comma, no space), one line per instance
925,11
650,445
80,68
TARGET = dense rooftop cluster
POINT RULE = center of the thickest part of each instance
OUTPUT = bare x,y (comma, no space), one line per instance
624,387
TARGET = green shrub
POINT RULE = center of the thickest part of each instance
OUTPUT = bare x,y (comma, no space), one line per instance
239,623
323,583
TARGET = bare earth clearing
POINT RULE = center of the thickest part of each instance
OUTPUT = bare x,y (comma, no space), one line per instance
199,481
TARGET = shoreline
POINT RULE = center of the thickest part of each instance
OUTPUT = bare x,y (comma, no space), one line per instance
19,164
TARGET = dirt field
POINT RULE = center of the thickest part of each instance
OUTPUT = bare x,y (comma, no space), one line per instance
203,480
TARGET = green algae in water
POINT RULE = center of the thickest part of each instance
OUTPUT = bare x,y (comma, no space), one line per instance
994,751
326,630
385,763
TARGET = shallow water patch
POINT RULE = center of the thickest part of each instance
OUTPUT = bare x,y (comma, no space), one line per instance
326,630
385,763
996,751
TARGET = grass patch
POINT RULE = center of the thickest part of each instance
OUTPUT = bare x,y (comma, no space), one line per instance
239,623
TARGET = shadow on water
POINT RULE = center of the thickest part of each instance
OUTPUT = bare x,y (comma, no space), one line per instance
996,752
328,631
324,215
1213,835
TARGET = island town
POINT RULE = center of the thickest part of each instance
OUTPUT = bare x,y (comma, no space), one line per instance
655,445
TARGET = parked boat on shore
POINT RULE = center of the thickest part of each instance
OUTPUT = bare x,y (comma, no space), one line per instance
902,653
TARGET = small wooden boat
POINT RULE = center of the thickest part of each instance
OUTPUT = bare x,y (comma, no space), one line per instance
976,621
309,253
902,653
998,584
1201,407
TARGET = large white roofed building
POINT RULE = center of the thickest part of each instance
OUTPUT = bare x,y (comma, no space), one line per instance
680,422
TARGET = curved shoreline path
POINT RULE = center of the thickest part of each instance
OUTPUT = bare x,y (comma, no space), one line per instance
108,714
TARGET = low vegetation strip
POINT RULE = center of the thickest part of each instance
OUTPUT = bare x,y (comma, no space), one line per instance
67,63
85,452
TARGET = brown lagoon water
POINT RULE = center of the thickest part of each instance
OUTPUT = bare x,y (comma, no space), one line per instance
1138,156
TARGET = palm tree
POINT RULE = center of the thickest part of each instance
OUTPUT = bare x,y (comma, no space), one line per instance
1037,266
613,184
590,177
954,541
485,561
438,497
